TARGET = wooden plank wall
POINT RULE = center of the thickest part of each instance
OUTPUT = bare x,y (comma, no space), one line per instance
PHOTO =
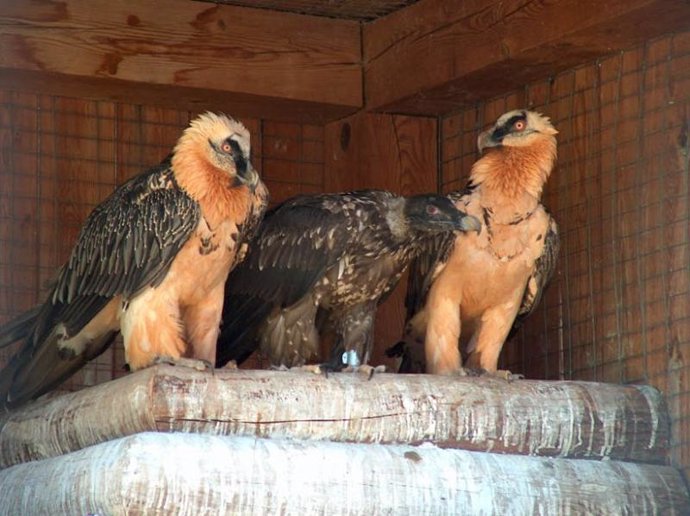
60,157
619,308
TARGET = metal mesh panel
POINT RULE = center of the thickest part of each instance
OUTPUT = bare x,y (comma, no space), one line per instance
619,307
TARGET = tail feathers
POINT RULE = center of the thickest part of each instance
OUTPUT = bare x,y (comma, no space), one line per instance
411,354
411,349
35,371
18,328
237,339
288,337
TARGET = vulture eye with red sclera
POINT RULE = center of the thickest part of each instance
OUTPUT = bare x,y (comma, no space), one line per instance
519,125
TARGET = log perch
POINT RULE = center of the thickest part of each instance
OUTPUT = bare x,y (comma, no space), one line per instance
195,474
560,419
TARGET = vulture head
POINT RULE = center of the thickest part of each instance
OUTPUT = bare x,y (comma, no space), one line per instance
220,145
518,128
436,214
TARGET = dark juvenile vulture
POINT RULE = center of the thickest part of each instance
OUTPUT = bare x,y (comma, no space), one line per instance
469,290
326,261
150,261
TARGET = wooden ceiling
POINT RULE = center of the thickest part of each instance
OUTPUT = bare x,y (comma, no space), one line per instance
426,57
359,10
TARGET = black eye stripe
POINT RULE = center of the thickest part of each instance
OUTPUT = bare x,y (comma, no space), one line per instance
503,130
238,156
235,146
511,122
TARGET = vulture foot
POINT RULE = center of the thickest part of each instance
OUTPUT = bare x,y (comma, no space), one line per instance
365,369
502,374
192,363
311,368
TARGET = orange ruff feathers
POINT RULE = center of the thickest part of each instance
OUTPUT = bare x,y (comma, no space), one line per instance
480,283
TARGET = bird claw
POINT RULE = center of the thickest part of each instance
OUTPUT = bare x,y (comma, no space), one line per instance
365,369
507,375
310,368
231,365
502,374
198,364
327,368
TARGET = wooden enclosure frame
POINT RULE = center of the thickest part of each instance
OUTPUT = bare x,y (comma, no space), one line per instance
262,63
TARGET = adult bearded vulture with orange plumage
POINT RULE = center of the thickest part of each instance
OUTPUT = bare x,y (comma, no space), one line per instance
324,262
466,294
151,262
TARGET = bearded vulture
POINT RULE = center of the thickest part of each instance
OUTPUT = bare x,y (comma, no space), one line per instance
150,261
468,290
325,262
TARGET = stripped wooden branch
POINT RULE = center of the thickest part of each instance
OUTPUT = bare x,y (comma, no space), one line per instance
565,419
155,473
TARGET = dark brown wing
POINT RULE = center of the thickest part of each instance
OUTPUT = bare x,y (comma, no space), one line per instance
423,269
544,269
127,243
295,245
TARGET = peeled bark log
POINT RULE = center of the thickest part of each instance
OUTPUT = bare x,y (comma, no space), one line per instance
563,419
188,474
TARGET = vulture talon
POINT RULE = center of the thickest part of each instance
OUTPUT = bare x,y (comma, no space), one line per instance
231,365
193,363
501,374
507,375
366,370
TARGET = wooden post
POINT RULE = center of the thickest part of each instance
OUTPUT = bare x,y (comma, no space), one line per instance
155,473
562,419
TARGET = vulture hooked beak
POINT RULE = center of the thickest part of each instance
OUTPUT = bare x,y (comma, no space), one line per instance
490,138
469,223
249,177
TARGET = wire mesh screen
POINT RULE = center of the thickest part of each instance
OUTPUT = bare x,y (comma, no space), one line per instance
60,157
618,309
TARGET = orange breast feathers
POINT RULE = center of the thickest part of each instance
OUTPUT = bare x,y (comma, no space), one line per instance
211,164
473,302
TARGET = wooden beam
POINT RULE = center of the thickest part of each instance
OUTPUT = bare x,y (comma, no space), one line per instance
265,63
565,419
439,55
202,474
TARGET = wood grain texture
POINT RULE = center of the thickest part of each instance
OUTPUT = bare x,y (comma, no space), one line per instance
564,419
202,51
153,473
362,10
396,153
440,55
